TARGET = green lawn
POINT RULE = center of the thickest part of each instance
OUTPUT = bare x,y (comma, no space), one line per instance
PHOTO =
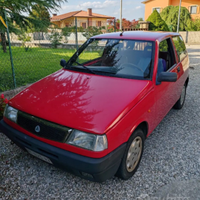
34,64
30,66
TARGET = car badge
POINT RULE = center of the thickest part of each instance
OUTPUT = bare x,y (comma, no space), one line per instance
37,129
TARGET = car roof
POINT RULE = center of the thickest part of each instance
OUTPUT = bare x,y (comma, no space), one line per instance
138,35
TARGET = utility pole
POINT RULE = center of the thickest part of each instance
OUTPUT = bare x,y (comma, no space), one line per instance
120,15
179,17
76,33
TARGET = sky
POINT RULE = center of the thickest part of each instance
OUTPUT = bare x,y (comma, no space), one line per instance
131,9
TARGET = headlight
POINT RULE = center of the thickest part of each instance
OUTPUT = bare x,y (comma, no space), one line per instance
88,141
11,113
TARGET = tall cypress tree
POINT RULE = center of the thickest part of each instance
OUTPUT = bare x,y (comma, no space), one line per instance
170,16
157,23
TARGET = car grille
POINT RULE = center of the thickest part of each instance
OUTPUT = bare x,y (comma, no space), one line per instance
43,128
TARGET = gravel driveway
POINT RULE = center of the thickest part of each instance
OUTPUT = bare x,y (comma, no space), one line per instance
171,153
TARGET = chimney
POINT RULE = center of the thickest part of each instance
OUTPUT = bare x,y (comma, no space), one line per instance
89,12
54,14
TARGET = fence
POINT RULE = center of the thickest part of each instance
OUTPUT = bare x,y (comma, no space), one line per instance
31,62
191,37
35,59
33,56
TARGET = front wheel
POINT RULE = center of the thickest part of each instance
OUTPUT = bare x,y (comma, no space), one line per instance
132,155
179,104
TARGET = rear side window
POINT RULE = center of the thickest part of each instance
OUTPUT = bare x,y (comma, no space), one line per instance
180,47
166,54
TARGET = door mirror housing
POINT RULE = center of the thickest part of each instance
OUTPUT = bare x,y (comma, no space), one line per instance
63,63
167,77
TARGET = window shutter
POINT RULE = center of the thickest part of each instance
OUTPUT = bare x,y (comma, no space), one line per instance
189,9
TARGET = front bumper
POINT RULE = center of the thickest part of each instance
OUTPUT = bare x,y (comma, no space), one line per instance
94,169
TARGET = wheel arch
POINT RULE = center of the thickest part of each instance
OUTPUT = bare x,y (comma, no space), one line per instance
144,126
187,81
141,125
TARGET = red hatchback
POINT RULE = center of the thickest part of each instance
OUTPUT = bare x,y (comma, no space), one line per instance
92,116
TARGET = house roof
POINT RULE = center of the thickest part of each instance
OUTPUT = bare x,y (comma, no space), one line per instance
147,1
79,13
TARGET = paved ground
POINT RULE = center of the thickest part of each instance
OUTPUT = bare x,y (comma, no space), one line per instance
181,189
170,162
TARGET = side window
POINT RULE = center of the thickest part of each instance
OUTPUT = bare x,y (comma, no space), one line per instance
166,54
180,47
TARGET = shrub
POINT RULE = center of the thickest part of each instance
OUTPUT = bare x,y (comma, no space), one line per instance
92,31
3,102
170,16
196,25
157,23
24,38
55,39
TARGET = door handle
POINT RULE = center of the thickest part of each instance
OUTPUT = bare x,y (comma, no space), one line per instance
178,69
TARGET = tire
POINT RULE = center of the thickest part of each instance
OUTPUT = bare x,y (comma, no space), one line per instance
179,104
129,166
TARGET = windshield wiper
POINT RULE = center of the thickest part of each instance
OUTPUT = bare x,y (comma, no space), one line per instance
84,67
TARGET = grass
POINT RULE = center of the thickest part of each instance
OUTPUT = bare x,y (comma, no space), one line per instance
30,66
33,65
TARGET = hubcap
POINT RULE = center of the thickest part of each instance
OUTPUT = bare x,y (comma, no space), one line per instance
134,154
182,96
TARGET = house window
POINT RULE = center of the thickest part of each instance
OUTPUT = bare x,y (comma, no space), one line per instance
158,9
90,22
84,25
99,23
193,9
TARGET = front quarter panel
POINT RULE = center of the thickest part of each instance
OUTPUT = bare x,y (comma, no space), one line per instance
143,111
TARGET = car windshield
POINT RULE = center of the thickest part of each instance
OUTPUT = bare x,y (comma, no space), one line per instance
114,57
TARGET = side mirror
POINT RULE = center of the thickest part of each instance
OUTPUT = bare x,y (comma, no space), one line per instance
167,77
63,63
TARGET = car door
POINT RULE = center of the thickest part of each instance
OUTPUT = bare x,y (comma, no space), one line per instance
182,62
166,92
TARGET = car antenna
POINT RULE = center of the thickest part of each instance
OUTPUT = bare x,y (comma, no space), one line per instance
121,34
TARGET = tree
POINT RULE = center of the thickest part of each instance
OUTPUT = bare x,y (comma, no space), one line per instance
41,13
24,38
66,31
170,16
157,23
111,27
92,31
135,24
15,11
126,24
196,25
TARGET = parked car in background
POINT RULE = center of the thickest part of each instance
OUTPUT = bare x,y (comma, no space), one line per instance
93,116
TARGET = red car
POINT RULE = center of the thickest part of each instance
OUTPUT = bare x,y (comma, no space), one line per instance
93,116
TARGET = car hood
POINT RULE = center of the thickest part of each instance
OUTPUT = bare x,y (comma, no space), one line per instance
87,102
